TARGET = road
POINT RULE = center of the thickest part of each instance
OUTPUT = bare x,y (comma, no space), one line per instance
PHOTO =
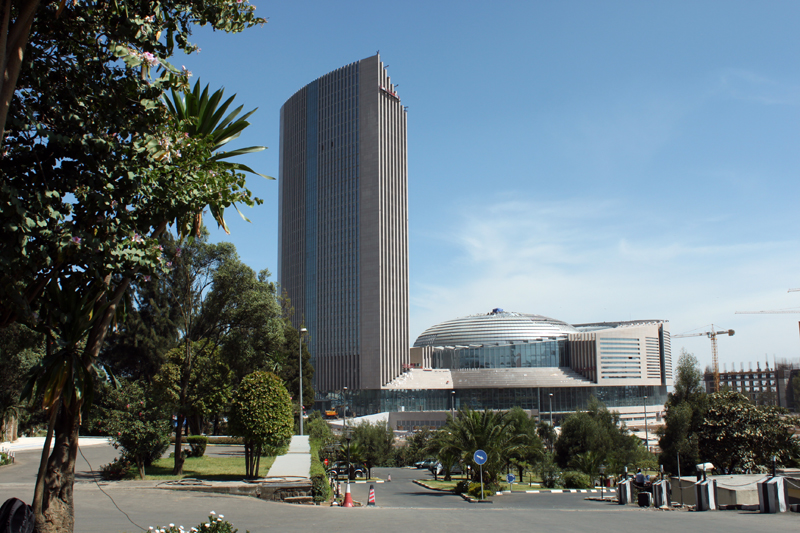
402,507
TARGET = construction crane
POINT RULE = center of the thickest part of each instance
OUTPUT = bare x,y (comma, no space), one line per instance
714,357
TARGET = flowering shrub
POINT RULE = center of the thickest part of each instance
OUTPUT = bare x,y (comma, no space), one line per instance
215,524
116,469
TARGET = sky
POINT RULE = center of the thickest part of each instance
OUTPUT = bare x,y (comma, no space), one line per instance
587,161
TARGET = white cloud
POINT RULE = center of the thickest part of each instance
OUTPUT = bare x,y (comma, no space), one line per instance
585,260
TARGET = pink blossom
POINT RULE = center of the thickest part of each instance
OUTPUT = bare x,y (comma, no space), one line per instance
76,240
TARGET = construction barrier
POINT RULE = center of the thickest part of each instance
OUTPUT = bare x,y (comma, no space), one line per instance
705,495
773,495
662,494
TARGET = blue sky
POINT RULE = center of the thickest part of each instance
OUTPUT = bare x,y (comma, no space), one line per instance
586,161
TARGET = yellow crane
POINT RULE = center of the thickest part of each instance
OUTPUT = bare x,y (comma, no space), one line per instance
714,357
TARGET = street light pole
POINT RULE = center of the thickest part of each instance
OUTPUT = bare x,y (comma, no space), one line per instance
300,350
646,442
551,409
453,404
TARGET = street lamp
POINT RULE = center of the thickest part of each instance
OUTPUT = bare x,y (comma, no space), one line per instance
551,409
646,442
453,404
300,350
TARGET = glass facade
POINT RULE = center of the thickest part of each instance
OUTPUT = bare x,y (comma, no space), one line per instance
565,399
523,355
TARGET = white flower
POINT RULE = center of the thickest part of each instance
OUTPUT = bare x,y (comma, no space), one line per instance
172,525
222,516
212,512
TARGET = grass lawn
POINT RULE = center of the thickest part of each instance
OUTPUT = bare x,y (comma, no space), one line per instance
209,468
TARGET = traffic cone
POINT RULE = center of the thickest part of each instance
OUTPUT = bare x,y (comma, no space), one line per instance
390,478
348,500
371,502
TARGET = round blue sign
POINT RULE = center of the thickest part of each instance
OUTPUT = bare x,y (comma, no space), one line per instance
480,457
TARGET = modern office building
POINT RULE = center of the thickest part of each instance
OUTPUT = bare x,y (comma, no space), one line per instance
343,249
500,360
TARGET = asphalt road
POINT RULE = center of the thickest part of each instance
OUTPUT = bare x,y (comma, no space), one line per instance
402,507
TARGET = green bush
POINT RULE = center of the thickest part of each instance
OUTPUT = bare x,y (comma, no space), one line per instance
320,487
475,491
197,444
461,487
576,480
117,469
4,459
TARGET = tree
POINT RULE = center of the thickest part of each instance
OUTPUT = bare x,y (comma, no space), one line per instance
490,431
533,449
290,370
20,349
94,171
737,436
685,410
261,413
415,449
135,419
601,432
547,433
375,442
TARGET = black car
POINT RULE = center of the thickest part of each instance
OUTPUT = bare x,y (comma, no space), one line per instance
339,471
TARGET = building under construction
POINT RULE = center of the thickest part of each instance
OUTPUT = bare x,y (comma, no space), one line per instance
764,386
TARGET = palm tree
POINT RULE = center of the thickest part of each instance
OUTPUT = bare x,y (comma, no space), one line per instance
490,431
204,118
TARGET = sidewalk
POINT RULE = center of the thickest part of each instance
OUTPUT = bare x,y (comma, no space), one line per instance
296,463
37,443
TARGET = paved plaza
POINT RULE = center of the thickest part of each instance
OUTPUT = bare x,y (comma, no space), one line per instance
402,506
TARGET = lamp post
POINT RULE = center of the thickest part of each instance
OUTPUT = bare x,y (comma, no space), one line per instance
453,404
300,350
551,409
646,442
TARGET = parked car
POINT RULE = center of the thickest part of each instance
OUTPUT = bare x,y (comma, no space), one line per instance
427,463
439,469
339,471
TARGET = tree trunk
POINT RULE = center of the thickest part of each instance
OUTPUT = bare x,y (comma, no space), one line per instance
177,470
258,461
57,512
140,464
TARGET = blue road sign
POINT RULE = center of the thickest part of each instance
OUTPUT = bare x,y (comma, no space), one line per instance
510,478
480,457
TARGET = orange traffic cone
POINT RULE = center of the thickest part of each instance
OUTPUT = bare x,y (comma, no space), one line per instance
348,500
371,502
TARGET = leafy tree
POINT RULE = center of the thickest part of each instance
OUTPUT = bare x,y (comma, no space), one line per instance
135,419
589,463
20,349
95,170
290,370
547,434
601,432
685,411
375,442
415,449
261,413
209,389
737,436
144,335
319,430
533,450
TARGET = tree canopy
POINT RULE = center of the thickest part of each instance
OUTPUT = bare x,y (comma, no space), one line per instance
261,413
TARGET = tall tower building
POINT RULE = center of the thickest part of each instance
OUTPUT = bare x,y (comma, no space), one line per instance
343,249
